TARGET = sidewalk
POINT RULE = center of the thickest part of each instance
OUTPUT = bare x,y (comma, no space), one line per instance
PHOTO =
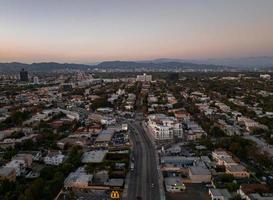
126,185
127,179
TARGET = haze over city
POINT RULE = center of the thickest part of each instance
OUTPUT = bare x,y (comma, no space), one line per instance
93,31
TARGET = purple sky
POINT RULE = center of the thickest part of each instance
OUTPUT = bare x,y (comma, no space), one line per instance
87,31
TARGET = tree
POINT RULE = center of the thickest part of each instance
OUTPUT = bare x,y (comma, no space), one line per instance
74,156
34,191
47,172
9,153
227,178
100,102
173,77
217,132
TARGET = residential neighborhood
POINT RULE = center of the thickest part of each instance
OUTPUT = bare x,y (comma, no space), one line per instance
83,136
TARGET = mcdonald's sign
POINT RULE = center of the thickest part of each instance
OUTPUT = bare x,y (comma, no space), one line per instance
115,195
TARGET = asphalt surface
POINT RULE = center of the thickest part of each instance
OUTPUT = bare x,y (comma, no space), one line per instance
144,178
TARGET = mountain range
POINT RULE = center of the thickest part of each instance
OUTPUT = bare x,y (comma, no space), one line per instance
245,62
162,63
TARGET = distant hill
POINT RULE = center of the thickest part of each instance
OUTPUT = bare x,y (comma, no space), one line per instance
246,62
115,65
40,67
158,64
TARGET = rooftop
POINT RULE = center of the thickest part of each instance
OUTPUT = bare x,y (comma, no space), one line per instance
199,171
236,168
78,178
6,171
220,192
105,136
173,181
94,156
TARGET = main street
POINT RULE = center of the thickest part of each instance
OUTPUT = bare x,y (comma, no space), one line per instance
144,178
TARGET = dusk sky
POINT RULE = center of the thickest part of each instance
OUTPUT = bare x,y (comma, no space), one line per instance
86,31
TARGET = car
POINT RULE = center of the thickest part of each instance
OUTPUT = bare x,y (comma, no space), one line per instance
153,185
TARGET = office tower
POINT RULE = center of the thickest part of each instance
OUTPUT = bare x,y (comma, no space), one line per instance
24,75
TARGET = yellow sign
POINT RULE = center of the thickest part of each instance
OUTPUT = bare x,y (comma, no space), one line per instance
115,195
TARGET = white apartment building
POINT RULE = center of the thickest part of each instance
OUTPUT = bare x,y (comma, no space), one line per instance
54,158
265,76
144,78
164,127
107,121
18,165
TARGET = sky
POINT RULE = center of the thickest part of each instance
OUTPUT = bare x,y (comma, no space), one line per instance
87,31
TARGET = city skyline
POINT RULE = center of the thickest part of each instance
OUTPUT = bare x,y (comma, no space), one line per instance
93,31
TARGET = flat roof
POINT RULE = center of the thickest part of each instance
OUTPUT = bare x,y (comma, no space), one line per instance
173,181
199,171
167,159
94,156
220,192
236,168
105,136
77,177
115,182
6,171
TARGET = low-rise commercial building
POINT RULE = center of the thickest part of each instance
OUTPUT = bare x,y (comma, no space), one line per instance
78,179
199,174
174,184
219,194
94,156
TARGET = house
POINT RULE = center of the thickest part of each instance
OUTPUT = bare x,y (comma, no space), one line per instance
231,130
54,158
219,194
250,124
238,171
223,107
193,130
8,173
6,133
70,114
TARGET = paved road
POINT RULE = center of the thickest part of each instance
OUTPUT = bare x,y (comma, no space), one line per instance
145,173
